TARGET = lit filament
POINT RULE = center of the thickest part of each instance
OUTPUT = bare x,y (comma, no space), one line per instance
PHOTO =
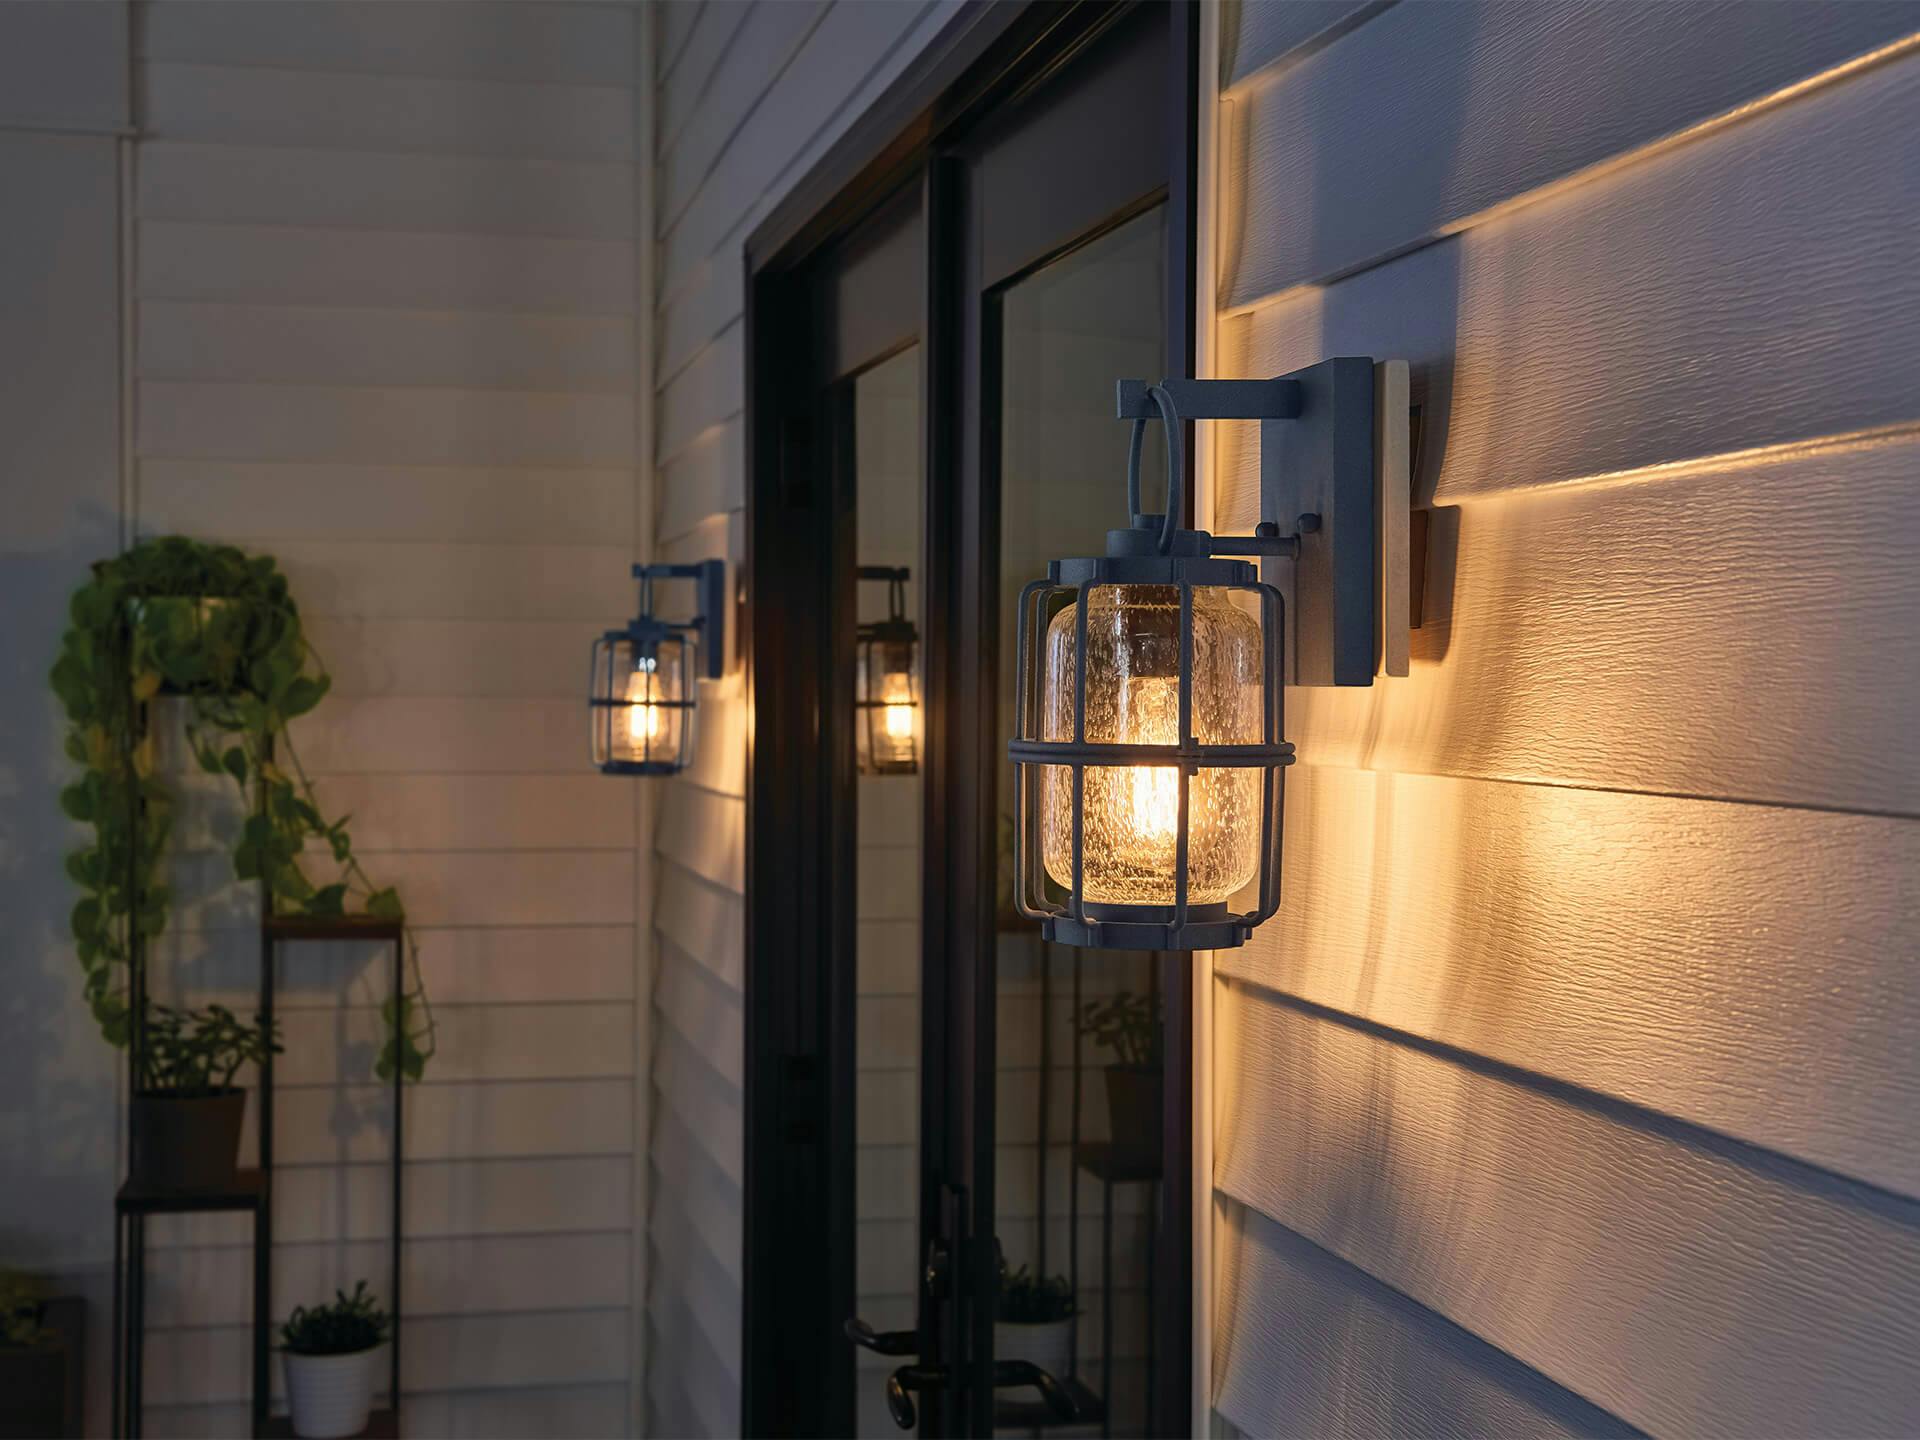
643,718
896,696
1150,715
1153,796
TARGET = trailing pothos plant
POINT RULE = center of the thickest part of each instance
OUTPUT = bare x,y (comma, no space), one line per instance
220,629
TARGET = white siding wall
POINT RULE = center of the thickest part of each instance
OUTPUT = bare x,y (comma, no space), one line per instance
1572,1088
385,319
749,97
63,99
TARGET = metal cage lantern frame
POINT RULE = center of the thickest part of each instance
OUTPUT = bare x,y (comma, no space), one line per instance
1154,551
655,647
892,639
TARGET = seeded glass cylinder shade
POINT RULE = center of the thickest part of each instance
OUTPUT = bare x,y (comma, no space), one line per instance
641,706
1132,812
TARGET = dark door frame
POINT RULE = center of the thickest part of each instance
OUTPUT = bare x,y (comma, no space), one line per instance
797,1262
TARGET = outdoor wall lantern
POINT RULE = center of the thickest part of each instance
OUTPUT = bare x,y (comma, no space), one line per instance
1147,745
885,703
642,703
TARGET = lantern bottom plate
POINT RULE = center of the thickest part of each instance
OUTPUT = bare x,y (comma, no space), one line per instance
1149,927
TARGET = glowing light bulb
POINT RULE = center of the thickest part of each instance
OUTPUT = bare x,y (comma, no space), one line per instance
1150,715
1154,798
896,694
643,719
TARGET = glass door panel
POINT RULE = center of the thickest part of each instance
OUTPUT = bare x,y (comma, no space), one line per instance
1077,1100
889,739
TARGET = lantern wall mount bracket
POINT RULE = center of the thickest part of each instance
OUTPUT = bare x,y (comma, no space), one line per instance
1334,496
710,615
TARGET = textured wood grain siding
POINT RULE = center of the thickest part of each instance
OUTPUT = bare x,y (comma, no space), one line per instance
385,322
1312,1347
1572,1088
1518,96
749,97
1688,1286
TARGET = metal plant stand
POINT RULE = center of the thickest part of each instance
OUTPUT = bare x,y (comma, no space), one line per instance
251,1191
1111,1164
274,932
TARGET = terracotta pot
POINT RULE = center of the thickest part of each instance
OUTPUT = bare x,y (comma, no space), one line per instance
186,1142
1134,1110
331,1395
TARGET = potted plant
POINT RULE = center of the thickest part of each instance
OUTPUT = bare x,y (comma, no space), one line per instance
1034,1320
1128,1025
332,1354
186,1109
218,631
39,1368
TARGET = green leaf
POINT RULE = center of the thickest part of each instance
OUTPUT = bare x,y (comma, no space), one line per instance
114,1025
235,761
151,920
86,918
328,900
303,694
83,867
386,904
71,683
77,802
288,881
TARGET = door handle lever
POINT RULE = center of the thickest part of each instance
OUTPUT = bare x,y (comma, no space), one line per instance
1008,1373
881,1342
911,1377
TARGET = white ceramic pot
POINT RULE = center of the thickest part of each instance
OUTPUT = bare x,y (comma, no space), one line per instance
331,1395
1048,1344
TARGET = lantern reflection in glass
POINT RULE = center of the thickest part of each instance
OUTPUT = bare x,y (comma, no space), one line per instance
886,703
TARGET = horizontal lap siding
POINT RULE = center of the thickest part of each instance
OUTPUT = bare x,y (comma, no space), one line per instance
63,97
1689,1286
385,330
1571,1089
749,97
1312,1346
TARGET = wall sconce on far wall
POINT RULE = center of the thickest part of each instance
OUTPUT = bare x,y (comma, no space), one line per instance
886,702
1148,757
642,702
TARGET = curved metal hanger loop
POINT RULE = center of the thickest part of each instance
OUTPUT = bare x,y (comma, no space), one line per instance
1176,466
